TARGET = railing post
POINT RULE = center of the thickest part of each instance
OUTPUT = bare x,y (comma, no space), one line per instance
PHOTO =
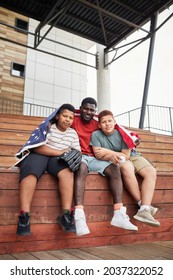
171,126
129,118
148,110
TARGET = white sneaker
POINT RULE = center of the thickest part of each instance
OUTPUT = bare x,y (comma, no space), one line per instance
80,222
153,210
121,219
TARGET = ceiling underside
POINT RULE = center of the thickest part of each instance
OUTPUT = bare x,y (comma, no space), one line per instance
106,22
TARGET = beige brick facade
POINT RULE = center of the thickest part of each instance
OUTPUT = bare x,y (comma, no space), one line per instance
11,87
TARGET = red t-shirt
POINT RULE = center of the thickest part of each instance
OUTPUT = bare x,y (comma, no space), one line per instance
84,131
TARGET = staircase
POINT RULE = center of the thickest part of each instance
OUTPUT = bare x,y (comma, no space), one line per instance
46,234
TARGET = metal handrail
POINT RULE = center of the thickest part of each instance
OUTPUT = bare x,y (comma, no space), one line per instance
157,119
8,106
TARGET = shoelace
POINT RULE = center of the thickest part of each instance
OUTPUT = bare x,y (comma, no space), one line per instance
23,220
69,218
125,216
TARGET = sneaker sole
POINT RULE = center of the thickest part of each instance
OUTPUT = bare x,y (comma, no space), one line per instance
143,220
134,229
26,233
82,233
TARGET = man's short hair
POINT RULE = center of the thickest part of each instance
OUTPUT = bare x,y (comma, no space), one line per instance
104,113
89,100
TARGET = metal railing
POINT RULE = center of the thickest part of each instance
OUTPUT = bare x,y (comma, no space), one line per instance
157,118
8,106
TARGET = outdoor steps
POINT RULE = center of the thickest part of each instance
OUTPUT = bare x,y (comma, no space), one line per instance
15,131
46,234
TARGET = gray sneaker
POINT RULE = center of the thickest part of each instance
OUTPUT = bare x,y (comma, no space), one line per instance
145,216
153,210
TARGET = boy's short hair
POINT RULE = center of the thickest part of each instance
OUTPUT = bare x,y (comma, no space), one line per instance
104,113
61,109
66,107
89,100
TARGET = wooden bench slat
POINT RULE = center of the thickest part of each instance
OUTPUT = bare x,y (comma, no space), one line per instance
9,179
13,135
17,127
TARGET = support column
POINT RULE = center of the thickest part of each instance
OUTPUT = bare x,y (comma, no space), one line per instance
103,82
148,71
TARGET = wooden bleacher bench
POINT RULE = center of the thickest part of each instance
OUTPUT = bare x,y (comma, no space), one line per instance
46,234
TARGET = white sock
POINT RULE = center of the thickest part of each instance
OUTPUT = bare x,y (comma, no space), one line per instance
147,207
139,203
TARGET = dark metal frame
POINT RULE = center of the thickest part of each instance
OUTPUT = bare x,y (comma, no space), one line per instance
43,51
135,43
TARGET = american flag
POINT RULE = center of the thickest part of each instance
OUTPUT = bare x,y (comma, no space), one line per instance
37,137
128,136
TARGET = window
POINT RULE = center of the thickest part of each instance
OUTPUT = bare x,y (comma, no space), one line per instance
22,24
17,69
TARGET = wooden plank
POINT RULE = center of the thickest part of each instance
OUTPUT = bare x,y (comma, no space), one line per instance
63,255
13,135
12,142
123,252
139,251
9,150
94,181
163,250
157,158
164,182
148,151
41,215
15,119
82,254
12,182
41,198
154,146
154,252
17,127
7,257
50,232
104,254
11,117
43,255
51,198
167,244
162,166
161,162
146,134
7,161
24,256
30,246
